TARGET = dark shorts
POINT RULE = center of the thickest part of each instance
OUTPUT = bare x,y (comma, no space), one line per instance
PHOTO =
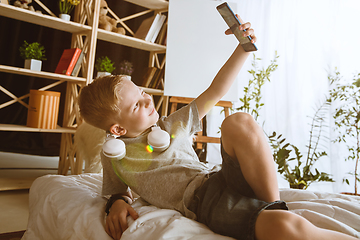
227,204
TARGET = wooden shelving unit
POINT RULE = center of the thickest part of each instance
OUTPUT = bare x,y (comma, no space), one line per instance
151,4
42,74
130,41
42,19
85,33
20,128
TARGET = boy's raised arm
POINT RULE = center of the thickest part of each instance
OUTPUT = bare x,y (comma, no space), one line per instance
226,76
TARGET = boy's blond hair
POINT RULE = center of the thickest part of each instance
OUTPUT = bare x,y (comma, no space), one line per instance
99,101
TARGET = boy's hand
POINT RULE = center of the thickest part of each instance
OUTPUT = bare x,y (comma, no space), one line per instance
244,26
116,222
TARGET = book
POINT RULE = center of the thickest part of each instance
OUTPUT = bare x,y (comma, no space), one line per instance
67,61
152,28
149,75
162,35
77,66
154,79
159,80
158,27
148,27
159,74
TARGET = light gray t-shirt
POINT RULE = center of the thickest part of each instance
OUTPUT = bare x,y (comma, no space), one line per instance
167,179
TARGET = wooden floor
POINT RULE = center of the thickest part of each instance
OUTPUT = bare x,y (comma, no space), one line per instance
12,236
14,208
15,183
17,172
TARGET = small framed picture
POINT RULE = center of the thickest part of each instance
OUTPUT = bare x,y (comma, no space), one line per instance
4,1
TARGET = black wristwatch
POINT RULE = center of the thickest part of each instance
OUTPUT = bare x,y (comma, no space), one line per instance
111,201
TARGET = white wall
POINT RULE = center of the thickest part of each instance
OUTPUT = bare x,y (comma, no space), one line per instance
196,47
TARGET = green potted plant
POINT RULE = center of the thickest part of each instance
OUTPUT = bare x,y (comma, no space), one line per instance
126,68
346,95
251,102
303,173
104,66
66,7
33,54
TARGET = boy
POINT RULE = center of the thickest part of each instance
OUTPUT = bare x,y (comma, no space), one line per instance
240,200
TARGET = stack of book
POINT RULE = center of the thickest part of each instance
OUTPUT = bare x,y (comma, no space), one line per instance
70,62
153,29
154,78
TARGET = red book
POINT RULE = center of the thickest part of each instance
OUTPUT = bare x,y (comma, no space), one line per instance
67,61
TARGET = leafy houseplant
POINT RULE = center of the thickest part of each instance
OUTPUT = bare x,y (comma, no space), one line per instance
301,176
66,6
347,117
126,68
104,64
32,51
252,92
33,54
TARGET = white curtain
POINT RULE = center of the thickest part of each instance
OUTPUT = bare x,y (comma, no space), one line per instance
312,37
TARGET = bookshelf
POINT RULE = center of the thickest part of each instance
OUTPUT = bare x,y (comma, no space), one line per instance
42,19
42,74
20,128
130,41
151,4
85,33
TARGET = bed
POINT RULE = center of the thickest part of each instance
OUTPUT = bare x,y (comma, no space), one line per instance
72,207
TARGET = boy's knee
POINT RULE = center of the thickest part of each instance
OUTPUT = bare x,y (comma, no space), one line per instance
239,122
280,224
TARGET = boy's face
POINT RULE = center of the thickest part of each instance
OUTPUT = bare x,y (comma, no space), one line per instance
137,110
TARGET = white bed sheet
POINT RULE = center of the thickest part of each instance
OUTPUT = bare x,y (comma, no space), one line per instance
71,207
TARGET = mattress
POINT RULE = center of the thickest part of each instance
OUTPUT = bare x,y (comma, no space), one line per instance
72,207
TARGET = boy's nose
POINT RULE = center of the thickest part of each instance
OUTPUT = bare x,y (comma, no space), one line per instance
147,102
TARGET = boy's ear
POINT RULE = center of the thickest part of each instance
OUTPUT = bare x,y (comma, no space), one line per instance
116,129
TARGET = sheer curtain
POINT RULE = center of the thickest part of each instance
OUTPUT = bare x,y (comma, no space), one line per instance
311,38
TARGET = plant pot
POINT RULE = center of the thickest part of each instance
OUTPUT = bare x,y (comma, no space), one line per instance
33,64
102,74
65,17
297,186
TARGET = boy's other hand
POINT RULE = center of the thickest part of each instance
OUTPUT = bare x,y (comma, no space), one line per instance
116,222
244,26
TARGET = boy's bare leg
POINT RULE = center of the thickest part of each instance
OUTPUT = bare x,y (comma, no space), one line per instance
244,140
285,225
